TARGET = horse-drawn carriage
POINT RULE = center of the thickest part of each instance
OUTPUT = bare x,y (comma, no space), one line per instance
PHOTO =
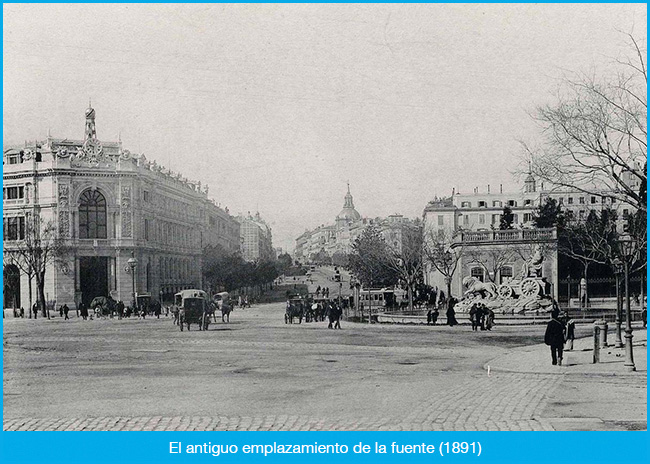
103,306
222,302
296,307
193,307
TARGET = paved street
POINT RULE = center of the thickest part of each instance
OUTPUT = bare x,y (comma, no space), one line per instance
257,373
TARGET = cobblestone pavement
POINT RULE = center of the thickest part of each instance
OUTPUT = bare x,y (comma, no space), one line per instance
514,403
259,374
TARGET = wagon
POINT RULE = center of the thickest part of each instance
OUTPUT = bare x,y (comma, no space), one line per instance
295,309
193,308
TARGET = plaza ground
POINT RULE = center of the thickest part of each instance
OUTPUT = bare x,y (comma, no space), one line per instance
257,373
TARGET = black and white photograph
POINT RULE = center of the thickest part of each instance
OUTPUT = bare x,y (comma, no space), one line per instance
324,217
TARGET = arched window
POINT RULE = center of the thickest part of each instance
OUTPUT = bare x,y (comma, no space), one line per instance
477,273
92,215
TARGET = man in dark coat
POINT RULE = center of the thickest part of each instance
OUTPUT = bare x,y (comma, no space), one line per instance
451,314
554,337
66,310
473,316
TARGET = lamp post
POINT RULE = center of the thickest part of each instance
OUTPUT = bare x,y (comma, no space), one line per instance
618,270
133,264
628,250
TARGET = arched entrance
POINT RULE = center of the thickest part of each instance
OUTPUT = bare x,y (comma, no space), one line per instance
11,287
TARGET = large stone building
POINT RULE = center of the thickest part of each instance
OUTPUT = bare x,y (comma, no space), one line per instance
109,203
256,238
328,240
470,222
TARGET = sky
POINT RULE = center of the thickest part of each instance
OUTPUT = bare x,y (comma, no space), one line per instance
277,107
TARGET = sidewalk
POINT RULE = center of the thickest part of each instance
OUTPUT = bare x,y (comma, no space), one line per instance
536,359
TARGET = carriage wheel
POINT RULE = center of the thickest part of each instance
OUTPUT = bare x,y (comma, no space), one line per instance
529,288
505,291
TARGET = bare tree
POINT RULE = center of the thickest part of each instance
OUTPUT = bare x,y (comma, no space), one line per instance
443,252
40,248
405,258
492,259
595,135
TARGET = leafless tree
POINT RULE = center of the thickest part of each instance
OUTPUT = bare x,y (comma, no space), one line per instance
40,248
443,252
492,259
405,259
595,135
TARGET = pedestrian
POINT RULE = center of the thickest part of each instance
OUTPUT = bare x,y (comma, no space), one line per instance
489,318
473,316
61,311
22,312
570,332
451,314
65,312
429,317
434,316
119,307
35,310
554,337
482,311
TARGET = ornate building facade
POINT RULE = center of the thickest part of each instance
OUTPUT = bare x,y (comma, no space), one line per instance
109,204
471,222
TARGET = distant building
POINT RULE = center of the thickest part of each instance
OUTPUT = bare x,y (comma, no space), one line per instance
108,203
256,238
327,240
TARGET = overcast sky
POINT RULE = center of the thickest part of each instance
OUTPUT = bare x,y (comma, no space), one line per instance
277,106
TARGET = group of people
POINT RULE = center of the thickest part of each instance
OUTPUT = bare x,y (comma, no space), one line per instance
325,291
432,314
242,302
560,333
63,311
481,316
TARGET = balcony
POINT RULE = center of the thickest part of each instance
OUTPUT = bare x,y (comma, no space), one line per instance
510,235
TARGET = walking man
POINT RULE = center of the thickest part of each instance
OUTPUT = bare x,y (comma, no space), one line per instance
554,337
65,312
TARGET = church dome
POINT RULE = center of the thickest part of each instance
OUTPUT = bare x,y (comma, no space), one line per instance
348,213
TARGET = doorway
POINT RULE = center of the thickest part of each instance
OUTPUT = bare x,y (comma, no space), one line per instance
93,281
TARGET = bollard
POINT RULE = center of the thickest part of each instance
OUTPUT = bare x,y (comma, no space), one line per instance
602,338
596,343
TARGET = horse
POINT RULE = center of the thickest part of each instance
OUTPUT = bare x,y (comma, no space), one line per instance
475,286
226,309
103,306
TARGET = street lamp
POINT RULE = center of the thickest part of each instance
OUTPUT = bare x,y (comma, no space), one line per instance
618,270
628,250
133,264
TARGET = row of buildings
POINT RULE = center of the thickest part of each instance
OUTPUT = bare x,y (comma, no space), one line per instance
111,205
471,225
337,238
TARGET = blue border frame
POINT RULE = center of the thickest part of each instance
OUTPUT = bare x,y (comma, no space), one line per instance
496,447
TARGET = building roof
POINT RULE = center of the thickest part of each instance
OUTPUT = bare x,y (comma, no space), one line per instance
348,213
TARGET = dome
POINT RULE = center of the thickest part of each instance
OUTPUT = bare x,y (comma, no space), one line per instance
348,213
